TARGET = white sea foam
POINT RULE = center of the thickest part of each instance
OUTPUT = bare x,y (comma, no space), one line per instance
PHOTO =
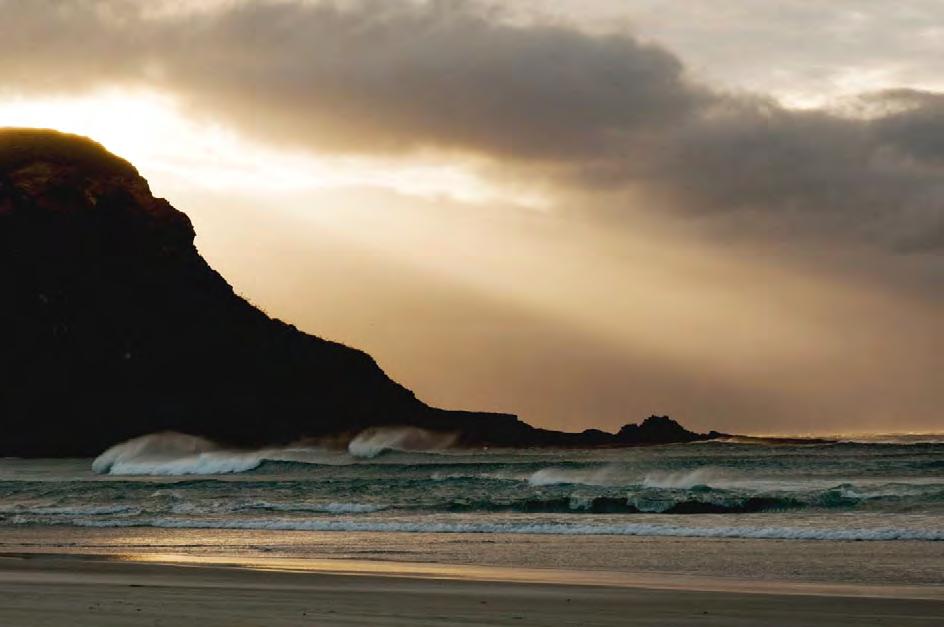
175,454
557,476
686,479
542,528
203,464
223,507
202,507
171,454
72,510
327,508
372,442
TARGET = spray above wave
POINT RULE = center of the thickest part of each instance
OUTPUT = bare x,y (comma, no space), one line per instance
615,475
847,492
175,454
375,441
564,476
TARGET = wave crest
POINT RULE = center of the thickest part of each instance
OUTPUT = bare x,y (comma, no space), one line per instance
372,442
562,476
173,454
170,453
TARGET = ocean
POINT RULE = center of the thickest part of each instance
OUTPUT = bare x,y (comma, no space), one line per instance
888,489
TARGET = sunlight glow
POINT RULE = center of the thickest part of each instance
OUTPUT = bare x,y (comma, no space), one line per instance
173,152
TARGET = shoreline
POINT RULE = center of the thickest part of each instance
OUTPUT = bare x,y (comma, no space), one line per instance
718,564
346,567
80,590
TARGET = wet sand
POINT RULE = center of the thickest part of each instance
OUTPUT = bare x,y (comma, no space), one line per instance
48,589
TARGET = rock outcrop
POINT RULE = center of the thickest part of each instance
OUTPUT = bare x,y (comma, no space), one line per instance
113,326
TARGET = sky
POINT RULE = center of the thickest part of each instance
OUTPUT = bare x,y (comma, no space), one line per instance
583,212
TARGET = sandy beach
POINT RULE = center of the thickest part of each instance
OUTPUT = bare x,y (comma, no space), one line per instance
84,590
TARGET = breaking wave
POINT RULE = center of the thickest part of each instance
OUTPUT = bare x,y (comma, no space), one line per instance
372,442
207,499
401,479
562,476
173,454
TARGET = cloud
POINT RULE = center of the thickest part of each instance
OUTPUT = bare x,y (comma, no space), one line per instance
802,51
914,125
377,76
545,100
811,173
390,76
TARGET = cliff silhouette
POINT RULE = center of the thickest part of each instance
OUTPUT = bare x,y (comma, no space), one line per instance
113,326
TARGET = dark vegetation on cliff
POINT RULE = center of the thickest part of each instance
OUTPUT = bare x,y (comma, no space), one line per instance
113,326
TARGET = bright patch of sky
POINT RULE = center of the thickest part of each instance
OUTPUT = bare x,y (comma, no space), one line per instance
173,150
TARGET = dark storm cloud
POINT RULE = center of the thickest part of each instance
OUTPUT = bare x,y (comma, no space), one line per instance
389,77
541,99
790,173
918,130
378,76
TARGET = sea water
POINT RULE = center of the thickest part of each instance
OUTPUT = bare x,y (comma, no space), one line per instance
880,489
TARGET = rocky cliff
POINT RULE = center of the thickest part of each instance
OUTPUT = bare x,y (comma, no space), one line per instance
113,326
